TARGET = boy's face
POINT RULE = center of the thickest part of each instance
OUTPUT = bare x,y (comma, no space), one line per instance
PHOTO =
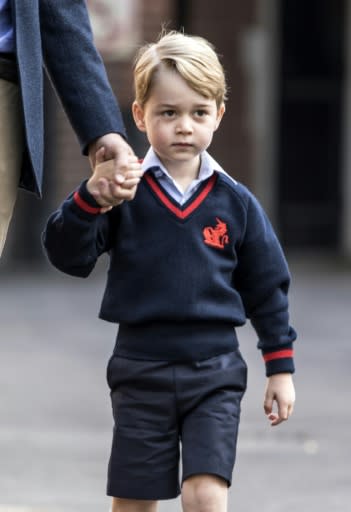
178,121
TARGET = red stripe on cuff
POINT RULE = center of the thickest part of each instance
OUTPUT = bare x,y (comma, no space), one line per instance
85,206
280,354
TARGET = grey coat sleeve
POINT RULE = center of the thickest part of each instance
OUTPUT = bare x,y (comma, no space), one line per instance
77,71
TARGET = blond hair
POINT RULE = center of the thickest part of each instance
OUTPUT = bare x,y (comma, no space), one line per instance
193,57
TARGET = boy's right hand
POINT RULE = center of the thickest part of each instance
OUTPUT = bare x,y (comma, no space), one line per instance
280,391
106,188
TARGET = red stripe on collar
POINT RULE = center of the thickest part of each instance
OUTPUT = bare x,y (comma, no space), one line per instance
181,214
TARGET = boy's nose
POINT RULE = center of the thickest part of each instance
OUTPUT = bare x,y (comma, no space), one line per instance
184,125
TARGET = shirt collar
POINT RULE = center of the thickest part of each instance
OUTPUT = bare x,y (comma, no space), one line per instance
208,165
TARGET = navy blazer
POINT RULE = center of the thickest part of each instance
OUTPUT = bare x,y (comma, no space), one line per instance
57,34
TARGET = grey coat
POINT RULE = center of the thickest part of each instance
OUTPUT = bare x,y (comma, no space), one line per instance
57,34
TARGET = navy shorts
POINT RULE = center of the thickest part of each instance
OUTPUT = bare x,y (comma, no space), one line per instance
166,412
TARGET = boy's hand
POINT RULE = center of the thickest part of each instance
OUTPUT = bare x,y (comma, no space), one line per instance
104,187
279,389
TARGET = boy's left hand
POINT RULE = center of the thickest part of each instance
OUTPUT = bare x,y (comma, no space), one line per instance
279,389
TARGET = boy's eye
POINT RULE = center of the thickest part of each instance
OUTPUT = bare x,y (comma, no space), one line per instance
200,113
168,113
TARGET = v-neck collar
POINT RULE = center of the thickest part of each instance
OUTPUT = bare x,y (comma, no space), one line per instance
181,211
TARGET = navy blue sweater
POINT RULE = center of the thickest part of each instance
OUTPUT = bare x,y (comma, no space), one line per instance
181,278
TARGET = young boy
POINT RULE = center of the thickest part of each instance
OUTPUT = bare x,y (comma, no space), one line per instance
191,256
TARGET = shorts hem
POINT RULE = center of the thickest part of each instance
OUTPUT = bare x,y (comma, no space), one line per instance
224,475
137,493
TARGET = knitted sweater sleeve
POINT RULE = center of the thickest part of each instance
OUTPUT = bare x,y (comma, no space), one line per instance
76,234
262,279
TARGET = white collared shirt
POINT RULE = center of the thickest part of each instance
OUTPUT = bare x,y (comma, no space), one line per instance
207,168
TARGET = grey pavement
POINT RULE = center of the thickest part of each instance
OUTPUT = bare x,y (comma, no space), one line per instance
55,418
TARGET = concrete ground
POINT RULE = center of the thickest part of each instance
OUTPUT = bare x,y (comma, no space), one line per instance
55,419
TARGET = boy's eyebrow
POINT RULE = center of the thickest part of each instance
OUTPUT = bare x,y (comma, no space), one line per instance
173,105
166,105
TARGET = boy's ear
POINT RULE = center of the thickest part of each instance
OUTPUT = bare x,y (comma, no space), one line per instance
138,115
220,114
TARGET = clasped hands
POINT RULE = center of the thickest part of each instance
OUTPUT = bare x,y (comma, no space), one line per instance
116,173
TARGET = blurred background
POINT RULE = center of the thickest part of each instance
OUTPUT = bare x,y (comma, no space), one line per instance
286,134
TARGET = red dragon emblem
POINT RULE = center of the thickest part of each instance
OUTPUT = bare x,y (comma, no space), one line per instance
217,236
